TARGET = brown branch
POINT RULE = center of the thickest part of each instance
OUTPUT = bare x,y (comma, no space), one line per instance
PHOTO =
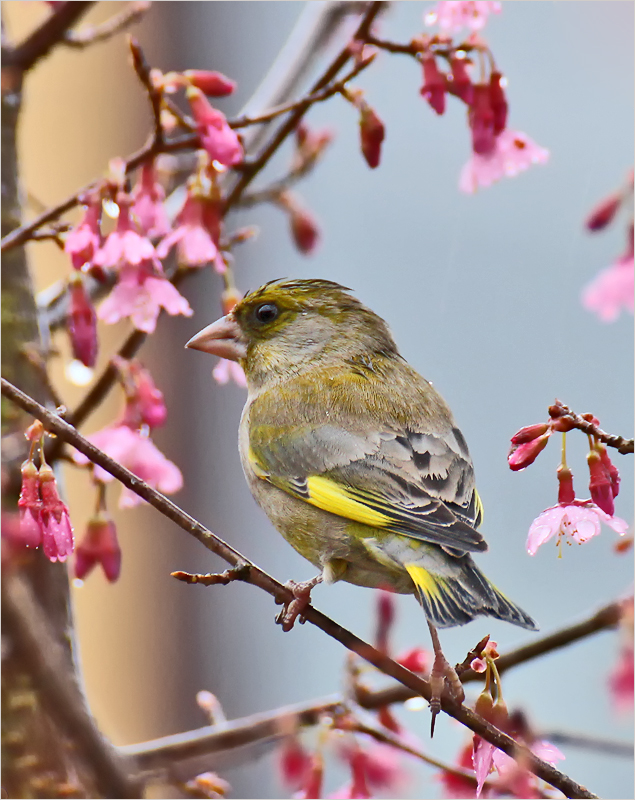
393,47
91,34
48,663
559,411
280,593
585,741
51,32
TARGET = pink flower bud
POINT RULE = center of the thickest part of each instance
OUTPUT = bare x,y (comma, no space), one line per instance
498,102
217,138
459,82
610,468
604,212
214,84
151,404
481,121
295,763
385,619
566,494
433,88
30,506
478,664
372,134
312,787
530,432
57,531
525,454
35,431
387,719
600,483
82,321
83,241
416,660
99,546
304,230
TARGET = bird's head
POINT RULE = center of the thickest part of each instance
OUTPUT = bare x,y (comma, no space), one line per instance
290,325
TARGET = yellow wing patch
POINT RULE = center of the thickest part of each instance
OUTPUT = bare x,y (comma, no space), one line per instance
480,511
424,580
330,496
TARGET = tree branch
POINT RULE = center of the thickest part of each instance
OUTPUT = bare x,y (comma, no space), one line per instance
261,579
559,411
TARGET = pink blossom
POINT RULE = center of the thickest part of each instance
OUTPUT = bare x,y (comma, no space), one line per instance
452,16
621,681
433,84
57,531
518,780
141,297
226,371
295,762
611,290
483,759
137,453
197,233
82,321
513,153
83,241
30,507
216,137
125,246
576,522
456,787
148,399
99,546
458,82
148,196
523,455
312,787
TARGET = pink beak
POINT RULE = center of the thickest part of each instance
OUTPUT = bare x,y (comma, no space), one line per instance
222,338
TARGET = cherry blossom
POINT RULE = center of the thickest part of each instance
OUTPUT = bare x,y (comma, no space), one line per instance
513,152
197,233
216,137
611,291
99,546
453,15
30,506
83,241
125,246
576,522
226,371
136,452
148,196
57,531
139,296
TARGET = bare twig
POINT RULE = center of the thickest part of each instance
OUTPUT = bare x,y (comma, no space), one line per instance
91,34
585,741
51,32
31,634
559,411
280,593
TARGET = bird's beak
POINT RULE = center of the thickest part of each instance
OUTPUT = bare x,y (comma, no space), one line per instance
222,338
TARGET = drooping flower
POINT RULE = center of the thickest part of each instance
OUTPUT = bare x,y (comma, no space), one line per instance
216,137
136,452
99,546
524,454
454,15
226,371
621,681
372,133
458,81
81,321
577,522
611,291
125,246
148,196
294,761
197,232
312,786
57,531
513,153
140,296
434,87
30,506
83,241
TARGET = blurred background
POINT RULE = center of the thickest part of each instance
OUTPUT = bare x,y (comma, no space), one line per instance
482,295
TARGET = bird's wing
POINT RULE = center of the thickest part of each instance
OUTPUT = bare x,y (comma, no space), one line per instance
419,485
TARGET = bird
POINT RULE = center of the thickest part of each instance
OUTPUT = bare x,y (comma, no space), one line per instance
356,458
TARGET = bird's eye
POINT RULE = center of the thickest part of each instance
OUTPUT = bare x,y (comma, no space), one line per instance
267,312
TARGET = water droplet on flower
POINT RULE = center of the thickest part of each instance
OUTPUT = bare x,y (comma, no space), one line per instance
77,373
111,208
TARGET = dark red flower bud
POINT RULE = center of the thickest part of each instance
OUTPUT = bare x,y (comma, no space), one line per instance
416,660
610,468
433,88
600,483
525,454
566,494
214,84
385,619
459,82
295,762
498,102
150,400
530,432
304,230
372,134
313,784
604,212
387,719
481,120
82,321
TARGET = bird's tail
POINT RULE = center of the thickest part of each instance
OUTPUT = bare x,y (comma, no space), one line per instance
455,599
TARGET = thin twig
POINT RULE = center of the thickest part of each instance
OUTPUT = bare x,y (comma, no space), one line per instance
91,34
280,593
585,741
51,32
559,411
30,631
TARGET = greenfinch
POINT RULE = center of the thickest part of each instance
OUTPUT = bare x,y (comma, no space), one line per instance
355,457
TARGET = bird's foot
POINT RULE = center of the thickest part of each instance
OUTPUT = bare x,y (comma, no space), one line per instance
292,609
442,674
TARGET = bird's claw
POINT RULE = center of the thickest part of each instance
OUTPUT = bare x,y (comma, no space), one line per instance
443,674
292,609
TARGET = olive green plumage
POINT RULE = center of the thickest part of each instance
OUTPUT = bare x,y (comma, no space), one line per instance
355,457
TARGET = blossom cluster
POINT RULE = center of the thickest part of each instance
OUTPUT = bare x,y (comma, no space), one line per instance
572,519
